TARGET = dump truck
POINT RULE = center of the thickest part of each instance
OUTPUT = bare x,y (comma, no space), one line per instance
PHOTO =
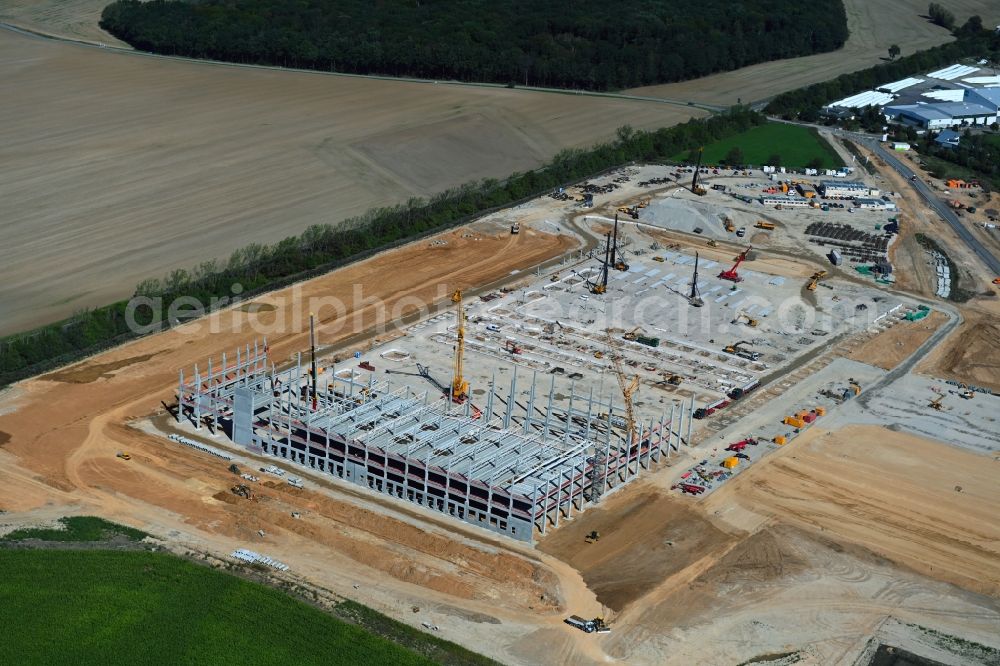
761,224
590,626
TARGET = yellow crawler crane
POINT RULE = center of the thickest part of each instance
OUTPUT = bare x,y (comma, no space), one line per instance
628,388
459,386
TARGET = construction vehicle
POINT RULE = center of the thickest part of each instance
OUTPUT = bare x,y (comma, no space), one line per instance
730,227
936,403
617,262
814,280
694,298
593,537
628,389
515,229
242,490
590,626
234,468
967,394
554,278
661,260
732,275
511,347
855,387
601,286
695,187
459,386
761,224
643,203
691,488
633,334
741,315
996,280
736,349
713,243
124,456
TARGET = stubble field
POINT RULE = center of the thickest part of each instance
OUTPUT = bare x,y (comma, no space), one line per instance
117,167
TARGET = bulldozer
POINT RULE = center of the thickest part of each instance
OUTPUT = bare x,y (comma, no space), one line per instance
712,243
593,537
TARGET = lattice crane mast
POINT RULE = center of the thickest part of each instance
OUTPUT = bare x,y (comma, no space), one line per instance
628,388
459,386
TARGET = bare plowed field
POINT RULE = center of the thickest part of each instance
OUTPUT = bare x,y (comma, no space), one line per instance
116,166
874,27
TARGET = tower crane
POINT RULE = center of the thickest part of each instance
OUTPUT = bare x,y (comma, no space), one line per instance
731,274
459,386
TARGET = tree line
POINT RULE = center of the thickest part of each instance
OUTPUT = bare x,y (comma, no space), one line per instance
805,103
323,247
587,44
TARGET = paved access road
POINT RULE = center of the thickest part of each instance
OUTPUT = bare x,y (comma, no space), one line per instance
931,198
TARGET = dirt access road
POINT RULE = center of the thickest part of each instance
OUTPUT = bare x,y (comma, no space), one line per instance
59,435
117,167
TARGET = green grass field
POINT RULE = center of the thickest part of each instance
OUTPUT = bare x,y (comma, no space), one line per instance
106,607
77,528
797,146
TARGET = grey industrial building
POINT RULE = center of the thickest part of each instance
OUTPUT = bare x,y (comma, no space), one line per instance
508,466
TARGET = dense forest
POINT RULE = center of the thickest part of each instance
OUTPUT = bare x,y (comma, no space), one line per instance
322,247
589,44
805,103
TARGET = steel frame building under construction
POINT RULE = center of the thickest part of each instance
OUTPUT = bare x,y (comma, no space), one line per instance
506,465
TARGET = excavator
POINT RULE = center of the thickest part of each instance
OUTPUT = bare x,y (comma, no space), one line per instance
633,334
936,403
814,280
459,385
593,537
736,349
743,315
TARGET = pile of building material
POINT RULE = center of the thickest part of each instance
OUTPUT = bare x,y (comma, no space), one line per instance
251,557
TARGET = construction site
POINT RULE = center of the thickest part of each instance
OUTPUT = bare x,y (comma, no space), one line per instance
585,428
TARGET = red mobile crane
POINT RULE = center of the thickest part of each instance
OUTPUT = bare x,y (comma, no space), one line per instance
731,274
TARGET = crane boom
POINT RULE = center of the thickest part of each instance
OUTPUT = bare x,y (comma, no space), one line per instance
459,386
628,388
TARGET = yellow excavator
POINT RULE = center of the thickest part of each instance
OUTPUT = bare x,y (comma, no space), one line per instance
741,315
814,280
459,385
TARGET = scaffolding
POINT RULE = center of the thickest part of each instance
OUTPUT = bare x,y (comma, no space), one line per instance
509,465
